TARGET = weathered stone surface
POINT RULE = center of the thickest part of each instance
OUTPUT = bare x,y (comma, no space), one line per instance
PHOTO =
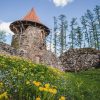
80,59
31,44
30,38
6,49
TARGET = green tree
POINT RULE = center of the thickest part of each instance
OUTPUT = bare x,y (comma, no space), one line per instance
97,36
55,39
2,36
97,25
85,31
97,14
79,37
63,25
91,25
72,35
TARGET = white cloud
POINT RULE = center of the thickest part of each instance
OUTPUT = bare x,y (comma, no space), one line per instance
61,2
4,26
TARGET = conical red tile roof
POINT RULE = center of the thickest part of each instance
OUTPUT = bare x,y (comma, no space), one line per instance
31,16
30,19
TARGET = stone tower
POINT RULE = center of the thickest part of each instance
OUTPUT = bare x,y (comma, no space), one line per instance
29,32
29,38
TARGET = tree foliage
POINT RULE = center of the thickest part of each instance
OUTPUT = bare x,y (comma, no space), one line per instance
2,36
83,33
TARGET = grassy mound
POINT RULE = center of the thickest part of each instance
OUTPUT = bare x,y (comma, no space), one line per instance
20,79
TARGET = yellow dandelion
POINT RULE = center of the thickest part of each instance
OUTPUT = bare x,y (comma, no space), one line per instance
50,90
36,83
54,91
45,89
38,98
41,88
3,95
62,98
47,85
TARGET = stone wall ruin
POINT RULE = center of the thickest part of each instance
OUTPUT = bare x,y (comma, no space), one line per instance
80,59
35,55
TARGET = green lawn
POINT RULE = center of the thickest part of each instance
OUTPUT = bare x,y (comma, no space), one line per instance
17,77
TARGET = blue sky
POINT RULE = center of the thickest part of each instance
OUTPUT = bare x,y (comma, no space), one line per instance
11,10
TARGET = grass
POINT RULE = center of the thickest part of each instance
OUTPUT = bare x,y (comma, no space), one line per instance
88,84
17,78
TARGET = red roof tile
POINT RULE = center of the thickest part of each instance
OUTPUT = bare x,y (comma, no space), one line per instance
31,16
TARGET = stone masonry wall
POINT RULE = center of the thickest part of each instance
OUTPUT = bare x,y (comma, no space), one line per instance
7,49
35,55
30,38
80,59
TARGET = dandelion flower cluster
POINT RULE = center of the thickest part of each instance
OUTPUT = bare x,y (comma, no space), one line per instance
36,83
3,96
47,88
62,98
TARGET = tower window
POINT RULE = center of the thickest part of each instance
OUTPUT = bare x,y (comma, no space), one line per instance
42,34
